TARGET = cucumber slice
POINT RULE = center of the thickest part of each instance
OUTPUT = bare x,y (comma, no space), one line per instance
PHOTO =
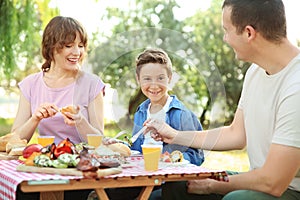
42,161
58,164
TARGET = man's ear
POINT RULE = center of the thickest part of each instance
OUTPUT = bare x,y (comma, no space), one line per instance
250,31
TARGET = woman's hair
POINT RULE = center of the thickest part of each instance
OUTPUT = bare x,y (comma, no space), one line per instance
266,16
153,55
59,32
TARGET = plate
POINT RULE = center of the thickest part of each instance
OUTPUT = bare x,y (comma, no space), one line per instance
177,164
135,153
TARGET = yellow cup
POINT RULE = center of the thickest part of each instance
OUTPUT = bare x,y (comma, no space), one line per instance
151,155
45,140
94,140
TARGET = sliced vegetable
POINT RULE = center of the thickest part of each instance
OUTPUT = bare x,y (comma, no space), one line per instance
58,164
42,161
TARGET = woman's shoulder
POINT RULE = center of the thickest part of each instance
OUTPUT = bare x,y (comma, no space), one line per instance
90,79
33,77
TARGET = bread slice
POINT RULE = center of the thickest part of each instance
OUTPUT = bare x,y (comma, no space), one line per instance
123,149
15,144
70,108
16,151
3,141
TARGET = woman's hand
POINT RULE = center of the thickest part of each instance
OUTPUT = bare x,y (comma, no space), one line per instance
45,110
160,131
73,118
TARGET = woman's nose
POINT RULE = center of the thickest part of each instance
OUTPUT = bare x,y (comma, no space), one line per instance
76,51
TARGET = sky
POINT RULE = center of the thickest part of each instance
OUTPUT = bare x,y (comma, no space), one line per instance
88,12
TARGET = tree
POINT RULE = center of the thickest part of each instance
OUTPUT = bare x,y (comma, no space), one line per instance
148,23
20,38
207,30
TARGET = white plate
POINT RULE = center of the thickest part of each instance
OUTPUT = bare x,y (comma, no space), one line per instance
134,153
170,164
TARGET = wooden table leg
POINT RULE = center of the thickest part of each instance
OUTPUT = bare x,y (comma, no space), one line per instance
101,194
57,195
145,193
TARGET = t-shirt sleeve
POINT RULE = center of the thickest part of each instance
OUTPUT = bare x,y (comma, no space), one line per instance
97,87
287,130
26,84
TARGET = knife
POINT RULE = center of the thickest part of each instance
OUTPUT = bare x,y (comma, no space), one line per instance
135,137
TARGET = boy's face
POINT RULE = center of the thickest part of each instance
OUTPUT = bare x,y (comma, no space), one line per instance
154,80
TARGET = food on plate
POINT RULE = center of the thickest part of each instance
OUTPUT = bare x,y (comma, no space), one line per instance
121,148
174,157
29,160
28,150
71,160
16,145
70,108
87,162
17,151
42,160
4,140
65,146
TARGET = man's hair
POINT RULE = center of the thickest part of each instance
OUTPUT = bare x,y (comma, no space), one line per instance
153,55
59,32
266,16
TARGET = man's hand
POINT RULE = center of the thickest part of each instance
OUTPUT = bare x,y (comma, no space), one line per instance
160,131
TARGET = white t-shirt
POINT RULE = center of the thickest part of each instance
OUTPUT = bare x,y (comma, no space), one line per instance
271,109
160,115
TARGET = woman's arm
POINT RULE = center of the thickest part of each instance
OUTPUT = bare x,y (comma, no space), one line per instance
26,123
96,117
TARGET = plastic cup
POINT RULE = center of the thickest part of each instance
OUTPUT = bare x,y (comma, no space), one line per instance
94,140
45,140
151,155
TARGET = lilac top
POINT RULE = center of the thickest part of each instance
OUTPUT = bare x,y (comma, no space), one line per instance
82,92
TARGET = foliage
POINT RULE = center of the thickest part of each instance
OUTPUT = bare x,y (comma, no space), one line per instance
149,23
20,38
204,65
207,30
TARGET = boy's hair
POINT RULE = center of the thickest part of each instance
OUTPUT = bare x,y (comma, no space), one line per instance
153,55
266,16
59,32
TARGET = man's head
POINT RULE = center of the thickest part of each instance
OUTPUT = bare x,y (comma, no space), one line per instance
267,17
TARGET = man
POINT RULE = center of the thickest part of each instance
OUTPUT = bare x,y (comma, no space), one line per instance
267,120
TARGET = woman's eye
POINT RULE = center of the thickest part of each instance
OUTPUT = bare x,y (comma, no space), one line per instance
68,46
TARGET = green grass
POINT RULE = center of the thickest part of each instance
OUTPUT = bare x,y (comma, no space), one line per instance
227,160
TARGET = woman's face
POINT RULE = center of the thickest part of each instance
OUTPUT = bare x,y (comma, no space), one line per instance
154,80
68,58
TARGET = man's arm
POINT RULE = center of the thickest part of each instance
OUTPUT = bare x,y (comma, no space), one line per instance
219,139
281,166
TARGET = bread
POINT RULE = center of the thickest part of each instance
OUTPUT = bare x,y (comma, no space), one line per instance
70,108
3,141
123,149
17,151
12,144
176,156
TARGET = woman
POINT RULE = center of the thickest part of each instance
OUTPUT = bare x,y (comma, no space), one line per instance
60,83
